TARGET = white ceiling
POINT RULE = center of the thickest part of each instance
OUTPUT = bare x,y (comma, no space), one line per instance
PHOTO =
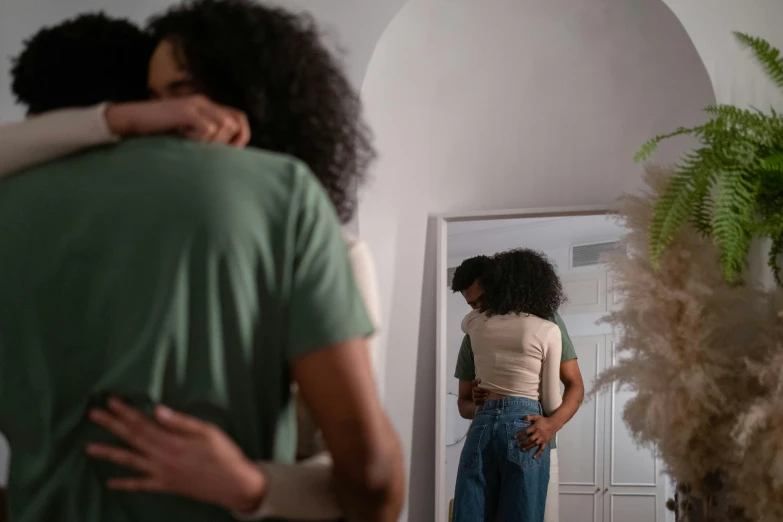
487,225
472,238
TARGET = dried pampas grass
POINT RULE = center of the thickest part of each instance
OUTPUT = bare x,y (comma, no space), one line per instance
705,362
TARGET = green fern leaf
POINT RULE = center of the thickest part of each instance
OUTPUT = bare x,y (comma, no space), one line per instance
733,220
773,163
651,145
670,212
769,57
730,187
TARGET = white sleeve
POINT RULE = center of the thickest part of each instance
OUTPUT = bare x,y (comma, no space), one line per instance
550,372
50,136
297,492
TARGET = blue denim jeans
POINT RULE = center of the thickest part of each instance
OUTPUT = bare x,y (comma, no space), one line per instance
497,481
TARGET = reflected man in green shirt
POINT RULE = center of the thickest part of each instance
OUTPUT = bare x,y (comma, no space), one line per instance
544,429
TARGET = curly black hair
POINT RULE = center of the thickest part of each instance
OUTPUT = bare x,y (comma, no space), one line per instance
470,271
81,62
272,65
522,281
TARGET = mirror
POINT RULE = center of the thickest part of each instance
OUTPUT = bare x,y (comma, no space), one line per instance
601,473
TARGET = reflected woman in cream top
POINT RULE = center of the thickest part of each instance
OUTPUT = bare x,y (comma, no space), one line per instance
517,356
516,352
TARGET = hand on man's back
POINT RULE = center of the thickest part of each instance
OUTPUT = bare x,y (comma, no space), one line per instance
479,394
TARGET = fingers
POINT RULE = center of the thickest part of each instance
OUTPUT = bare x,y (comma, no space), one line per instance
540,451
529,442
111,423
180,422
222,124
242,137
131,426
213,123
528,445
532,418
137,484
120,456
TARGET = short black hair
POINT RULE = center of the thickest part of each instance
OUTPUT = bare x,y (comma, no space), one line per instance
272,65
81,62
523,281
469,271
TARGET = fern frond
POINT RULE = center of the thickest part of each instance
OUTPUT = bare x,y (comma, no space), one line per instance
769,57
703,206
733,220
731,186
773,163
670,212
650,145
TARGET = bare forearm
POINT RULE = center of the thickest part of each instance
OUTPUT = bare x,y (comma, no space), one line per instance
466,408
572,399
377,493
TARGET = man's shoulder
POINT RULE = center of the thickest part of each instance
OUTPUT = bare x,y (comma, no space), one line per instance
201,157
181,170
159,153
179,180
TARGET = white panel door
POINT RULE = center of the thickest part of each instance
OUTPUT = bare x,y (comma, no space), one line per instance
586,292
634,484
614,298
580,445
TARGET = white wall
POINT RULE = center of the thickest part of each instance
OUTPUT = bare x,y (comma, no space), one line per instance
503,104
736,78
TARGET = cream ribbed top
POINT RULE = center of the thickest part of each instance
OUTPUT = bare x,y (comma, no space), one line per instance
517,356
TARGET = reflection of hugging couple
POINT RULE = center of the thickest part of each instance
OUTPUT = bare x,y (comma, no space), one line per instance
515,353
203,276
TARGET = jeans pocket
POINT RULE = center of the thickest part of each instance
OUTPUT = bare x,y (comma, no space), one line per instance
523,459
471,451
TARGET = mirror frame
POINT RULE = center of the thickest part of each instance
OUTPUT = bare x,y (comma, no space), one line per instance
442,221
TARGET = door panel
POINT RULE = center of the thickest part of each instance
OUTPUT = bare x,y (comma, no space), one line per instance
579,507
635,485
629,507
586,292
580,443
631,465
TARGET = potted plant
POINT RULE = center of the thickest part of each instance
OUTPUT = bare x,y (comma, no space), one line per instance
731,186
701,351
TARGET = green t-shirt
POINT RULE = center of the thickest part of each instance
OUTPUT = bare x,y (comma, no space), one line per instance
466,368
162,271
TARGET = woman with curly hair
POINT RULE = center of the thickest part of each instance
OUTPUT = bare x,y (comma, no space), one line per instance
517,359
229,72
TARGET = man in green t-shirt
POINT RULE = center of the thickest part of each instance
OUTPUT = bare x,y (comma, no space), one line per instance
202,277
544,429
